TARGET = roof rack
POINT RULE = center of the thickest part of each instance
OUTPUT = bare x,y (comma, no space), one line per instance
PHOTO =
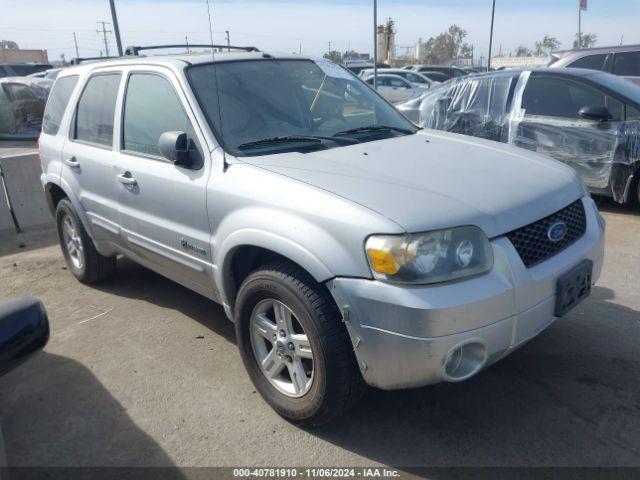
134,50
79,60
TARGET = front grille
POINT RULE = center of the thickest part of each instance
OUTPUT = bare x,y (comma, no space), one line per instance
532,242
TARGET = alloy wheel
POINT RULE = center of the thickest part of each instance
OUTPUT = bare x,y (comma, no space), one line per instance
281,348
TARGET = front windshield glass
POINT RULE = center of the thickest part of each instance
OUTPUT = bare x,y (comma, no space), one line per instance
284,100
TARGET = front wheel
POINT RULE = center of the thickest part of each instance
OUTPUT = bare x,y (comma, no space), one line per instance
294,346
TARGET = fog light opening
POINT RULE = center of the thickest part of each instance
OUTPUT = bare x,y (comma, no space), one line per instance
464,360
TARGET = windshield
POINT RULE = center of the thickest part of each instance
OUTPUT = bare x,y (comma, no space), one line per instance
285,100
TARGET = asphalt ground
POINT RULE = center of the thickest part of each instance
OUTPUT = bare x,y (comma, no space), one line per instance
140,371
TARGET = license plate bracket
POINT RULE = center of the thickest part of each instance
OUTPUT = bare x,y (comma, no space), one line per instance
573,287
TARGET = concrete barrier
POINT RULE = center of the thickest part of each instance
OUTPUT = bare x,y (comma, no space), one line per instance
22,181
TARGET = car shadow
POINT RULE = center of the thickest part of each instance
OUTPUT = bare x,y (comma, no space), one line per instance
134,281
569,397
55,413
606,204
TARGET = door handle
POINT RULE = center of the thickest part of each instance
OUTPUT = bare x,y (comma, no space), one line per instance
127,179
72,162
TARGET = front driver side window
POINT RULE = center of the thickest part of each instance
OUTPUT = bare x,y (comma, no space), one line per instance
559,97
151,108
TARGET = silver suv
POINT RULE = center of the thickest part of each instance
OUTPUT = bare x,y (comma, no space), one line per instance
348,246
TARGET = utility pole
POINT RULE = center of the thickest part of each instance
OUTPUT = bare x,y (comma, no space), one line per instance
104,32
75,42
186,42
582,5
579,26
493,13
228,41
114,19
375,44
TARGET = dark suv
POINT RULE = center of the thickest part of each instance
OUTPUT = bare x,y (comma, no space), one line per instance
21,69
448,71
623,61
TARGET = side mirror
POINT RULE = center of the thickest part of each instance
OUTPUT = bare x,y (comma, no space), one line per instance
24,329
596,113
174,146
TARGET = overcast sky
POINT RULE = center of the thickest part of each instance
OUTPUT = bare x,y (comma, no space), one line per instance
284,25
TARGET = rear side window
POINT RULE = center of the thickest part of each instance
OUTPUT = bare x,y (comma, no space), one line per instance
592,62
57,104
627,64
151,108
96,109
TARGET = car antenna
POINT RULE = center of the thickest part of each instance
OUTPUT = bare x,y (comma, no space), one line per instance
225,165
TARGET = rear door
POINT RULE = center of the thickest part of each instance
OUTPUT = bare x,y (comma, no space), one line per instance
89,159
162,207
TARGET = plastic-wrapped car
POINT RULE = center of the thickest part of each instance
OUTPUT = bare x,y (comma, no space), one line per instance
589,120
22,102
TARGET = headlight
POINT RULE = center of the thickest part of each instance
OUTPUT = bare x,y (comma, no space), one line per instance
431,257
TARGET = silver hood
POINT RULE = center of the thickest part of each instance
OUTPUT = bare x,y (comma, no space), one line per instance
437,180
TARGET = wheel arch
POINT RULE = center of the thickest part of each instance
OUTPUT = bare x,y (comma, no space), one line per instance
54,191
246,250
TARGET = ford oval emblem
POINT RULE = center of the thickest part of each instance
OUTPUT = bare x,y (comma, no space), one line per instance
557,231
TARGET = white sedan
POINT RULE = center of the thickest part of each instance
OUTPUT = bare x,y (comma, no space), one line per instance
396,89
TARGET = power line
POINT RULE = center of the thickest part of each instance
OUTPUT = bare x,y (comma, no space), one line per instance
104,32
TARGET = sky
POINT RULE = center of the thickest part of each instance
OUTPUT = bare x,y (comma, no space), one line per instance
309,25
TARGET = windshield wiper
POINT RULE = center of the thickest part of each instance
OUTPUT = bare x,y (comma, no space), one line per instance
304,139
374,129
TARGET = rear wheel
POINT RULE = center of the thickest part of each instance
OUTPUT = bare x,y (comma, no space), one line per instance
294,346
82,258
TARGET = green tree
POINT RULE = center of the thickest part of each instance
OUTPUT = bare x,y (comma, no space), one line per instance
522,51
466,50
334,56
9,44
586,40
546,46
446,46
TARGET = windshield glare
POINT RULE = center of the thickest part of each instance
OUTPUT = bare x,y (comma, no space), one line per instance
262,99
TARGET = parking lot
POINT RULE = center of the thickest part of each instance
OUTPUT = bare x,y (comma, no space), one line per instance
140,371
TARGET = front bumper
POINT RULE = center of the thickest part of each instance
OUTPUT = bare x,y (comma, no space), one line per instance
403,336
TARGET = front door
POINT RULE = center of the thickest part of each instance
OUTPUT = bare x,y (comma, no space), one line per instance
552,126
163,206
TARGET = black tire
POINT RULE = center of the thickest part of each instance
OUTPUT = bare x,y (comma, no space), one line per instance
337,382
95,267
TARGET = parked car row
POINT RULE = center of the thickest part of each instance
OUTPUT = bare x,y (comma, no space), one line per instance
21,69
22,102
587,119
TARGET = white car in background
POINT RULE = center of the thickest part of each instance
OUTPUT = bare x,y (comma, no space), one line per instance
396,89
416,79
